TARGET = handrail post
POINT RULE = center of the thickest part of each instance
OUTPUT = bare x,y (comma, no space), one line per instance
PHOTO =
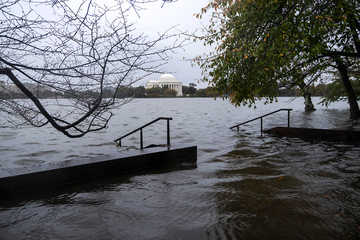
141,139
288,118
168,132
261,123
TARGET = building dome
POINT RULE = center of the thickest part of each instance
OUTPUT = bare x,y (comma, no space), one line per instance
167,78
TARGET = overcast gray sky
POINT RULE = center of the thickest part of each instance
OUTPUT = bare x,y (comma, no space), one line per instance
156,19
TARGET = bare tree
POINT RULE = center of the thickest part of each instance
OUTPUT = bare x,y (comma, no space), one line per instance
75,50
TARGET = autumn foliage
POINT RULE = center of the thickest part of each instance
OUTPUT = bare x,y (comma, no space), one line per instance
263,45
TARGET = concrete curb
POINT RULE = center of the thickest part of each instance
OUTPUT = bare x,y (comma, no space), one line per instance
322,134
62,173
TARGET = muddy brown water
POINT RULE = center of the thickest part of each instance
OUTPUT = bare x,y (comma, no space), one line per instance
244,186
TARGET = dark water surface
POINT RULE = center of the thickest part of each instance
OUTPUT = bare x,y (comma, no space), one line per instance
244,186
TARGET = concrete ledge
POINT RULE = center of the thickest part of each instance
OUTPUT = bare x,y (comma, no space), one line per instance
323,134
55,174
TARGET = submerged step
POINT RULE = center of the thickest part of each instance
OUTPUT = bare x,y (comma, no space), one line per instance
314,133
62,173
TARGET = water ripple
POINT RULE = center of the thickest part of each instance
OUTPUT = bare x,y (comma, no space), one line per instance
245,185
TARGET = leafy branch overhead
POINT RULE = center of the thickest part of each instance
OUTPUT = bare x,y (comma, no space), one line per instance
261,45
70,48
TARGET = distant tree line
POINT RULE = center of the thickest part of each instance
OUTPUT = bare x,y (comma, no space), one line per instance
121,92
331,92
164,92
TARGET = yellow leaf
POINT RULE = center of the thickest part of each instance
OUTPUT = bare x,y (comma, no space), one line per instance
246,56
281,177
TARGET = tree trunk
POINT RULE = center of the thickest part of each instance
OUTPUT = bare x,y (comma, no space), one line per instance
354,107
309,106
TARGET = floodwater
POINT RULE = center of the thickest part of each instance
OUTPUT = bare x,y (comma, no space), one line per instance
245,185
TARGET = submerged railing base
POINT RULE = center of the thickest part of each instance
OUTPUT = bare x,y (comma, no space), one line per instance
62,173
323,134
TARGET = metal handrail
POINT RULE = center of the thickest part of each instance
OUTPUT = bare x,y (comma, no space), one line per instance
141,133
261,117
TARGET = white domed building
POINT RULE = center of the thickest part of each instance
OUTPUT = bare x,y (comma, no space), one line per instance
166,80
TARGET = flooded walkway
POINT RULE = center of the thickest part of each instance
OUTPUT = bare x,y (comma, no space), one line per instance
244,185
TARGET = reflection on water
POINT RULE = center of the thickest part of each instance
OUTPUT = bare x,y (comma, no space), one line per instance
244,186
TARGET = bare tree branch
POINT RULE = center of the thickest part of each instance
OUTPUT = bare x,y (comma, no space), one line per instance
76,52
